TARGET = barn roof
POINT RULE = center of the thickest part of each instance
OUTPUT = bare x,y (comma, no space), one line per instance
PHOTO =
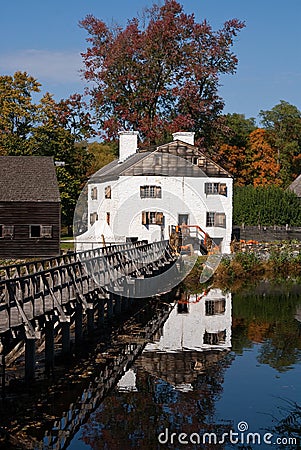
28,179
295,186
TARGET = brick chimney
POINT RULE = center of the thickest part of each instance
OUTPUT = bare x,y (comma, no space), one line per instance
184,136
128,144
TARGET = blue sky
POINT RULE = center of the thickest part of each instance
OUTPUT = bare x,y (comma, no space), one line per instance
44,39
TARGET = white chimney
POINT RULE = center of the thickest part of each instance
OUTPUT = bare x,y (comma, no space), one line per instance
128,144
184,136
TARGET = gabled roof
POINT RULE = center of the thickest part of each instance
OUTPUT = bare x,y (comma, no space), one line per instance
114,169
295,186
172,159
28,179
182,149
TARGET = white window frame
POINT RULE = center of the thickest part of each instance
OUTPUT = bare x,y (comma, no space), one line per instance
150,191
216,188
216,219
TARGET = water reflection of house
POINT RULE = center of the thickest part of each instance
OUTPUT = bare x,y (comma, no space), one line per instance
128,382
195,338
202,323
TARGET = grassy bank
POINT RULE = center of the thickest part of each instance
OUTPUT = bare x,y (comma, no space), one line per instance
248,267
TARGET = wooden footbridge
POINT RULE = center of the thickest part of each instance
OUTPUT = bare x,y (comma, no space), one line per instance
54,300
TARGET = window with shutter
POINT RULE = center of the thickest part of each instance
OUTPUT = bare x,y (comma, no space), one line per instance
152,218
93,218
215,189
215,338
215,307
108,192
210,219
46,231
214,219
94,193
223,189
159,218
220,220
158,191
6,231
150,191
144,218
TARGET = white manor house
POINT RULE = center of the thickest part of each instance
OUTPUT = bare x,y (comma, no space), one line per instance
144,193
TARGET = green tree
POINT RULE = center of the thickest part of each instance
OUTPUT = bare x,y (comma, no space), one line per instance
102,153
283,123
18,112
265,206
47,128
238,129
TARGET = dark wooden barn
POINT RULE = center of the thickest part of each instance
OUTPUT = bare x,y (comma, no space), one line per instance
29,207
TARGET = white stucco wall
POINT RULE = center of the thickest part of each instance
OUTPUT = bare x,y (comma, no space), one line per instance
179,196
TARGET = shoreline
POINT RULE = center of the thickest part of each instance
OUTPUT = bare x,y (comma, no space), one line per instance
252,262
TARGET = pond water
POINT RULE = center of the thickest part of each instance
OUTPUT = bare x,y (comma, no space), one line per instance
222,373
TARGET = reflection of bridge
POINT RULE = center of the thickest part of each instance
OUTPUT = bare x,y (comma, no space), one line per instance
51,299
56,420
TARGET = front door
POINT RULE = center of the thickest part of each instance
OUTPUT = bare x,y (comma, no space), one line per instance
183,219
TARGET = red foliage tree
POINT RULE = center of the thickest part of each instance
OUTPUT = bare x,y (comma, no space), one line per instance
160,73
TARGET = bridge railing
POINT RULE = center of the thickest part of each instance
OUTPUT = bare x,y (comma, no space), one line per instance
37,288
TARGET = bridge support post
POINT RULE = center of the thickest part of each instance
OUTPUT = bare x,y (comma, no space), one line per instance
90,319
110,305
118,302
30,359
100,312
124,302
78,324
49,346
3,374
65,329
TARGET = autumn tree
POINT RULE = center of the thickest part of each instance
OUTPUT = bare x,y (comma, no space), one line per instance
233,159
263,167
230,145
283,125
160,73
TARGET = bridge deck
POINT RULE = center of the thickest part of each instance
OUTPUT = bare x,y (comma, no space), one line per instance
30,292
